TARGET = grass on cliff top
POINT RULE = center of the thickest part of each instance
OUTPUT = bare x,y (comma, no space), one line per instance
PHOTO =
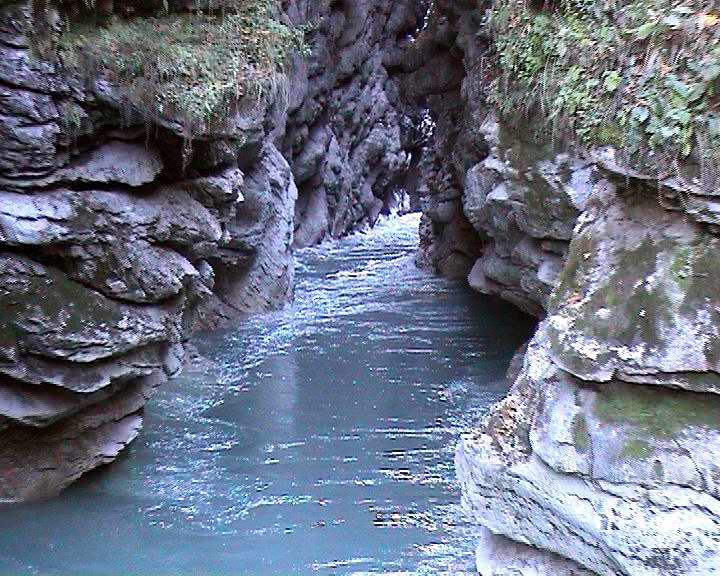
640,75
193,67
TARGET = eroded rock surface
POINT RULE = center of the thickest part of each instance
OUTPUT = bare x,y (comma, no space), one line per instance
619,477
602,460
501,556
524,200
117,239
349,138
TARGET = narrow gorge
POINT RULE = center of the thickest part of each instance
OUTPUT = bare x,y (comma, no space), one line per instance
164,165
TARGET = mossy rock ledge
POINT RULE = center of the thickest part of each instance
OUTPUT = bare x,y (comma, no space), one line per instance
582,148
159,163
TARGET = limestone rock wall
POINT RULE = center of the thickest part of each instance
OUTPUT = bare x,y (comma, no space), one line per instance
603,457
433,77
350,140
113,247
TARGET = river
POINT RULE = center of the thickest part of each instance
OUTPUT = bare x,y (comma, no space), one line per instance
314,440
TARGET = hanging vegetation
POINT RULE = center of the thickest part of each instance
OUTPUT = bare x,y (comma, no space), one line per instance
193,67
640,75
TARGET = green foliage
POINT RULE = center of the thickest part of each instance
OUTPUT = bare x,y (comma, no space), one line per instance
191,67
641,75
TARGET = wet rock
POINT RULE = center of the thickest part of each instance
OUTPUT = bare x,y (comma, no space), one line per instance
620,477
346,130
635,301
38,463
118,236
49,315
68,216
253,268
606,444
525,198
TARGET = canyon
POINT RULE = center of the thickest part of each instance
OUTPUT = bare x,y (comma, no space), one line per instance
117,243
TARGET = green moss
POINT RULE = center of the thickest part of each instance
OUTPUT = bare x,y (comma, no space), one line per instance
645,310
581,435
638,449
63,303
524,146
192,67
578,265
611,135
703,269
638,74
681,267
612,300
546,206
647,313
634,313
656,413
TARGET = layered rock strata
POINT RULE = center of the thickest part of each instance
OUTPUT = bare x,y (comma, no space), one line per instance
114,244
603,458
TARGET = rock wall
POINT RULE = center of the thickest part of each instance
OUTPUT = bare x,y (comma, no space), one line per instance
113,247
349,139
432,77
603,458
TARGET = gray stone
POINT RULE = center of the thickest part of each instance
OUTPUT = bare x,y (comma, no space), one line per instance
500,556
635,302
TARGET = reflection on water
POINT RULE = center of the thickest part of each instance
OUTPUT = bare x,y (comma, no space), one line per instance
316,440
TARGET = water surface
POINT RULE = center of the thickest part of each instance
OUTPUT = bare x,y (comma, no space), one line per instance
315,440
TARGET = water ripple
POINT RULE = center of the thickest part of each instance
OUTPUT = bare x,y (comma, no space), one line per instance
314,440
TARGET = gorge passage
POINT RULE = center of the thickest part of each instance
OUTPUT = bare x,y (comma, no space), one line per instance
315,440
144,201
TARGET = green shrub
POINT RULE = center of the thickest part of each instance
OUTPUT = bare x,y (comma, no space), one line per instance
641,75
